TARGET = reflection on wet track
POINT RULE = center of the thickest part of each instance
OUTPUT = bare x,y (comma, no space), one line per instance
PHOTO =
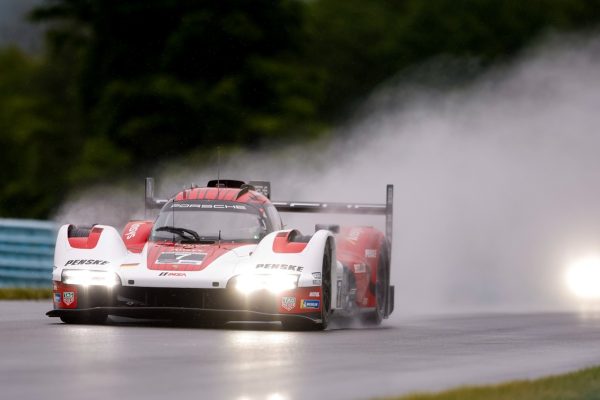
42,357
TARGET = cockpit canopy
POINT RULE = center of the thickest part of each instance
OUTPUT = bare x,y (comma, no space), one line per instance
206,221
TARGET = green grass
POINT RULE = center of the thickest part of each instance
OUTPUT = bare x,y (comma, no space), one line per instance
25,293
580,385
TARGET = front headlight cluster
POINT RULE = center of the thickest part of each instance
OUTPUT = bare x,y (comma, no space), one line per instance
90,278
583,278
274,283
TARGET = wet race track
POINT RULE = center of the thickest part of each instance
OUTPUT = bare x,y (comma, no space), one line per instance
43,358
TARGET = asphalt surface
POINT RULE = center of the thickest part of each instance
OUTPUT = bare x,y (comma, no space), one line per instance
43,358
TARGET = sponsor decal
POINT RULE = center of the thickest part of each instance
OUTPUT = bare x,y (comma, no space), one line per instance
57,297
210,206
370,253
360,268
132,231
86,262
353,235
285,267
310,304
180,258
182,274
68,298
288,303
316,275
314,294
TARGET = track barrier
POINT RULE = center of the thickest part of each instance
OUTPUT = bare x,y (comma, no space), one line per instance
26,252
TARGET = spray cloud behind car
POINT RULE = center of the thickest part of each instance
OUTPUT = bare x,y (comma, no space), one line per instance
497,184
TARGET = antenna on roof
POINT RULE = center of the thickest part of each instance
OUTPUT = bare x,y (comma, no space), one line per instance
218,169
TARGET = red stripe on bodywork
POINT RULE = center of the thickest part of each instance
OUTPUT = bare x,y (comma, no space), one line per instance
89,242
281,244
211,194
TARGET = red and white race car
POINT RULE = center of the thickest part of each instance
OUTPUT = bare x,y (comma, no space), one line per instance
220,253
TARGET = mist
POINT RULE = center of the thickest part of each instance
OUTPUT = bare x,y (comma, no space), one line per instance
497,185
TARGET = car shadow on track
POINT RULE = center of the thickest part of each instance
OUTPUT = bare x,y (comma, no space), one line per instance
228,326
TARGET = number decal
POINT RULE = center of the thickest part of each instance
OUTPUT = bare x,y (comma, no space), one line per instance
181,258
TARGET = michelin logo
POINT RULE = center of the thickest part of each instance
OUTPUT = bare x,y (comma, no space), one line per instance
315,304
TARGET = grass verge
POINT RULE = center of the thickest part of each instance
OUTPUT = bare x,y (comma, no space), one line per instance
25,293
580,385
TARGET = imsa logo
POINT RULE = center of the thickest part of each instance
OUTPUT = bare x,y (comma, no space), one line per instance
182,274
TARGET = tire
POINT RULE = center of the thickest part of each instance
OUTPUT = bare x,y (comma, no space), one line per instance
375,317
97,318
326,287
298,324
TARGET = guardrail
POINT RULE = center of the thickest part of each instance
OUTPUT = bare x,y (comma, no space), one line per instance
26,252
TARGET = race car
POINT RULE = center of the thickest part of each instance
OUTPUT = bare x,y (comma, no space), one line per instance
220,253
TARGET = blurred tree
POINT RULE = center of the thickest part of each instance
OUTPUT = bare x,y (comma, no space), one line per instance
161,77
124,84
38,134
360,44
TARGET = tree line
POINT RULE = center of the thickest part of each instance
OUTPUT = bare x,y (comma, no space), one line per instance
122,85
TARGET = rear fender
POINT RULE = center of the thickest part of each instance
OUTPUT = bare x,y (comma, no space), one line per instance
360,249
135,235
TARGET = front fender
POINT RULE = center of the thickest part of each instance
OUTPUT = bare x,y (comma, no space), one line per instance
106,254
277,252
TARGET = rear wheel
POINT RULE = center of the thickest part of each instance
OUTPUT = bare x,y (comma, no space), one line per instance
381,289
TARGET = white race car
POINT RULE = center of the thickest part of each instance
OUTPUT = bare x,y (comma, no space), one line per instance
220,253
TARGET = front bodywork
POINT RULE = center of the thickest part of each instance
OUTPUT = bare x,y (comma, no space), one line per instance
192,280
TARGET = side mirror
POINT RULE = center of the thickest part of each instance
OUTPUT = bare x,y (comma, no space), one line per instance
328,227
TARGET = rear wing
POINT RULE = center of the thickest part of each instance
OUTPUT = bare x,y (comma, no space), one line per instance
386,209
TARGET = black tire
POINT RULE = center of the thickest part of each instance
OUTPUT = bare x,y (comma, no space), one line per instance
299,324
326,286
96,318
382,284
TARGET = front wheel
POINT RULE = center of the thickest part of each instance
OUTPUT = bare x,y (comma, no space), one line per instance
326,286
325,297
84,318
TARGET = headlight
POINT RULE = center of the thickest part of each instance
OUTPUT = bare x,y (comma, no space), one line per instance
88,278
583,278
275,283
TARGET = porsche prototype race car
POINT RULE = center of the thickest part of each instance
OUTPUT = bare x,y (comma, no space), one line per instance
220,253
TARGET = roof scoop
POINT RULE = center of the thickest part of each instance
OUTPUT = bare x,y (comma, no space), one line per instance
225,183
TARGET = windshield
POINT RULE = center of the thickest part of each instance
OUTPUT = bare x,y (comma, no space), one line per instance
203,225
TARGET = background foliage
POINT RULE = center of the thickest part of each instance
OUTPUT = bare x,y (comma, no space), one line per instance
122,85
